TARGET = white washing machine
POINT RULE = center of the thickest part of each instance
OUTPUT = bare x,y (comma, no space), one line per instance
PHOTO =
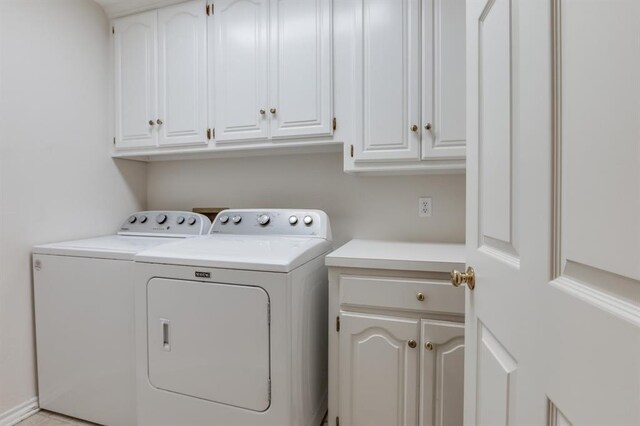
231,329
84,309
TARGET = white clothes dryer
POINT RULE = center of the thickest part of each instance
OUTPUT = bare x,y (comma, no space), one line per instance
84,311
231,328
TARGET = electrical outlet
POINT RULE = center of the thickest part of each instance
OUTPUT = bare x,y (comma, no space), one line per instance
424,206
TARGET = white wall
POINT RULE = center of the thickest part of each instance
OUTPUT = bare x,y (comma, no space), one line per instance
57,180
382,207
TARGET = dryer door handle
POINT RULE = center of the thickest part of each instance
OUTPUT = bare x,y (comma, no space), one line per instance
166,345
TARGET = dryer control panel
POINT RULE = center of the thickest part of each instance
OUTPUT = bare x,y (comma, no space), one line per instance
283,222
165,224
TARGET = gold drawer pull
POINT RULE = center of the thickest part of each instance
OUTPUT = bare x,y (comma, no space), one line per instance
420,297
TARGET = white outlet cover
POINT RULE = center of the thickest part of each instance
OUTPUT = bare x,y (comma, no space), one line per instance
425,206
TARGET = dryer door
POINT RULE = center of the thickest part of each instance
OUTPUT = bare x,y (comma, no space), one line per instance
209,341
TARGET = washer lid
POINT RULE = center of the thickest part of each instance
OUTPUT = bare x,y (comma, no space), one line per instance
247,252
117,247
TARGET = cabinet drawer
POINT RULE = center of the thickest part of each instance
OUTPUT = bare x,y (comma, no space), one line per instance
401,294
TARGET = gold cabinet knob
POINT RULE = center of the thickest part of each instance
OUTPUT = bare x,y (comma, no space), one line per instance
159,121
420,296
262,111
411,343
151,123
427,126
428,346
414,128
468,278
272,110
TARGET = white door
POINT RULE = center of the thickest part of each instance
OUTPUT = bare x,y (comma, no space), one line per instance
443,79
182,74
300,68
240,69
442,373
378,370
387,84
553,212
135,80
209,341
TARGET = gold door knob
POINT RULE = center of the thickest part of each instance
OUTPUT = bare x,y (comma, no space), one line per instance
273,110
427,126
420,296
428,346
262,111
468,278
151,123
159,121
411,343
414,128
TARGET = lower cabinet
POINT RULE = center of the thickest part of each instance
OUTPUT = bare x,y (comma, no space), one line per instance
393,359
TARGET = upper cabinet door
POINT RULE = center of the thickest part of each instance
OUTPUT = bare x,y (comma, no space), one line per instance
300,68
387,79
444,74
182,74
240,69
135,80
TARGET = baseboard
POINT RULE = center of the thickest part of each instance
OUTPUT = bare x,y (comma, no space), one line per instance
19,412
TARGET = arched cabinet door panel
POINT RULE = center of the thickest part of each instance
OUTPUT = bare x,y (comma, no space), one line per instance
378,370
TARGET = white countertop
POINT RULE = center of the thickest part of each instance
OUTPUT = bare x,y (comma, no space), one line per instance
431,257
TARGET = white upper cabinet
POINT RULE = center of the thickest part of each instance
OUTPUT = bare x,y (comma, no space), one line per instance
160,77
135,80
409,86
300,68
443,85
182,74
240,37
272,69
387,78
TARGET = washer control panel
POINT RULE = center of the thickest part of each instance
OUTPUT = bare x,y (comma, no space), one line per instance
272,222
165,223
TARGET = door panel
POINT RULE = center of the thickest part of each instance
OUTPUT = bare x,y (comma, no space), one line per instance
182,75
378,370
135,80
387,63
240,75
202,334
300,73
553,212
442,383
443,85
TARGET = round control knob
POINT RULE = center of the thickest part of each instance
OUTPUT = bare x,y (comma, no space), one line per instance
192,220
308,220
237,219
263,219
293,220
224,219
132,219
180,220
143,219
161,218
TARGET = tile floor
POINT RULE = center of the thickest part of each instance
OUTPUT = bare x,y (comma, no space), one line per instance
47,418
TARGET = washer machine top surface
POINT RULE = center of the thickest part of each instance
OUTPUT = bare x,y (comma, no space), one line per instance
140,231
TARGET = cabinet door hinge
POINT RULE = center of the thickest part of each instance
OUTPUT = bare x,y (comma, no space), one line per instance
113,30
209,9
114,140
335,123
213,133
338,323
351,151
337,421
209,134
